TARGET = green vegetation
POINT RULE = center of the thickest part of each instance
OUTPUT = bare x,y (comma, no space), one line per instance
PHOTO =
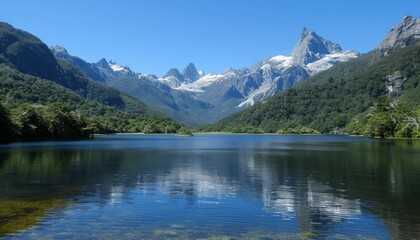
298,130
116,124
6,125
329,101
184,132
34,121
17,215
55,121
45,98
386,119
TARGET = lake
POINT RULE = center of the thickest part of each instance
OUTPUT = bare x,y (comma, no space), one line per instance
211,187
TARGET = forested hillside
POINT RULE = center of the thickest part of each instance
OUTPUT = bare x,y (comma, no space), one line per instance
329,101
39,92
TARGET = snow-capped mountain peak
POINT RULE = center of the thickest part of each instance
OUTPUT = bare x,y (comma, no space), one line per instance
311,55
103,64
113,69
174,79
190,73
311,48
119,68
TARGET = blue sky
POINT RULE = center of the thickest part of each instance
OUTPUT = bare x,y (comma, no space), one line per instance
151,36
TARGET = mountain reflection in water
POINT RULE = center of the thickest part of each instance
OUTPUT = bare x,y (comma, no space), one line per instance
206,186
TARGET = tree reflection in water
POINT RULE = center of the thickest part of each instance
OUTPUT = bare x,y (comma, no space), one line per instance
322,188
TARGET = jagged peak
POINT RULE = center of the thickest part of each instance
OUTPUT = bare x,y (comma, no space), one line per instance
229,69
190,73
174,72
103,63
305,32
57,48
404,33
60,52
311,47
119,68
190,66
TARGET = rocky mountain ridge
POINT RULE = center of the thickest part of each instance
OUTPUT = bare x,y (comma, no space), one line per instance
404,33
311,55
212,96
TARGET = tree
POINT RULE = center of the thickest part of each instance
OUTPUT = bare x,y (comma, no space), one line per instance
6,126
381,124
184,132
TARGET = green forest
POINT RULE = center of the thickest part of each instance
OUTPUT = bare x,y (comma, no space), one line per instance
28,121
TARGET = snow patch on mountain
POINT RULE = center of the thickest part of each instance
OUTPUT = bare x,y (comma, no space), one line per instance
171,81
199,85
330,60
255,96
118,68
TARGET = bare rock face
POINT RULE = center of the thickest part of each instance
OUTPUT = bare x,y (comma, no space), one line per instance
312,47
190,73
404,33
60,52
395,84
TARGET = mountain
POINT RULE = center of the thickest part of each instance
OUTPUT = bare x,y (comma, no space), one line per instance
190,73
154,91
375,89
28,55
160,97
195,98
312,48
245,87
174,79
38,89
404,33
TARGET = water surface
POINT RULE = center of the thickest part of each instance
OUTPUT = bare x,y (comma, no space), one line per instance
211,186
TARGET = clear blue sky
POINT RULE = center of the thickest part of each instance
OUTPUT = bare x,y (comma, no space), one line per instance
151,36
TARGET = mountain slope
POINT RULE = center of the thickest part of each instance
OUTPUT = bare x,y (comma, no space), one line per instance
245,87
196,98
160,97
405,33
26,53
44,97
29,55
328,101
146,87
236,89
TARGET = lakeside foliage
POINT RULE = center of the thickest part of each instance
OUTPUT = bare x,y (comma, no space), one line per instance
386,119
34,121
55,121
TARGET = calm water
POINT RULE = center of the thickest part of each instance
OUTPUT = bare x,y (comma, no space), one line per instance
211,186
